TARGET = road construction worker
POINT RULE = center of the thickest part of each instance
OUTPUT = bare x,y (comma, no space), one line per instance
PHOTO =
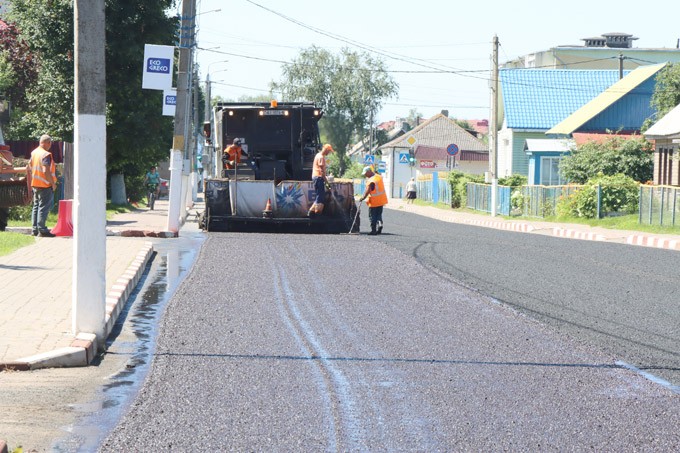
44,183
319,168
377,198
232,154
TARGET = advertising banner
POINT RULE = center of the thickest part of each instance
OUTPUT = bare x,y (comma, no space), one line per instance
158,64
169,102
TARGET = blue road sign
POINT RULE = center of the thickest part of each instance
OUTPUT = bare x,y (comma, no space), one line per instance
403,158
369,159
452,149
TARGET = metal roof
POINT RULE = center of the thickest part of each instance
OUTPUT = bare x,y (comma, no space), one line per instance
549,145
666,127
439,132
541,98
605,99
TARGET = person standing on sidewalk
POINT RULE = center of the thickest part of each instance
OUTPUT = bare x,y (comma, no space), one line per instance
377,198
411,190
43,182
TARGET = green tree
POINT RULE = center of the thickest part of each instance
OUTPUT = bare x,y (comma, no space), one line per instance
19,68
666,94
349,87
633,157
46,27
137,134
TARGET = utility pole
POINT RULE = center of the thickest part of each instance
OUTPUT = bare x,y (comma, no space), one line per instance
493,136
621,58
89,204
181,131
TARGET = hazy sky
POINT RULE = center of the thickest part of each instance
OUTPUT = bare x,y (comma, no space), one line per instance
414,37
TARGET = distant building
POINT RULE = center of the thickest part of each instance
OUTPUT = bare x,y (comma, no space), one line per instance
428,145
666,136
609,51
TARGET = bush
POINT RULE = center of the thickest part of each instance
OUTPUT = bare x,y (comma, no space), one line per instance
458,181
513,181
619,193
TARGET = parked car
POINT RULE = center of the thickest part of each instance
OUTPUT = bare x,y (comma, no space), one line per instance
164,191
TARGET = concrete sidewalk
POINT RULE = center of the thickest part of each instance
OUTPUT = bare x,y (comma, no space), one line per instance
35,296
573,231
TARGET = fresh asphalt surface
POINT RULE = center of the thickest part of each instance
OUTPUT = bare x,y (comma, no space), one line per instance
337,343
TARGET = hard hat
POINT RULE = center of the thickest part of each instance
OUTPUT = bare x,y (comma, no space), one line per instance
366,170
237,141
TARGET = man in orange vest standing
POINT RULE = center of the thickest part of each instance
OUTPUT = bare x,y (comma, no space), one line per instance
377,198
319,168
43,182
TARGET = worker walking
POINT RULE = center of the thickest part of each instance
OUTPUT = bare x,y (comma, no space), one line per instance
319,168
43,182
232,154
377,198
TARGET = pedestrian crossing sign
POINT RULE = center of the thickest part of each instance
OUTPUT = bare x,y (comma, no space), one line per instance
369,159
403,158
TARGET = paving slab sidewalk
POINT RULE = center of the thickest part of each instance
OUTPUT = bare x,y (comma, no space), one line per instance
35,290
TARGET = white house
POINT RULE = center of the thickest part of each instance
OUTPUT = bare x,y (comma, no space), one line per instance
429,145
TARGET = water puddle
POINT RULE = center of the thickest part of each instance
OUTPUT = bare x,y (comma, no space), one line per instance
133,337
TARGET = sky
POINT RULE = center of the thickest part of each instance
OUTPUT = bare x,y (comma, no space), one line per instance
244,44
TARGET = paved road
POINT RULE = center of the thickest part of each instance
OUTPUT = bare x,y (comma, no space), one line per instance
363,348
621,298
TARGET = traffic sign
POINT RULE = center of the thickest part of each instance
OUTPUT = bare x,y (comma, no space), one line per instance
403,158
452,149
411,140
369,159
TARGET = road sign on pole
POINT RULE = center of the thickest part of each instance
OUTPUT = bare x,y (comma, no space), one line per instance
452,149
369,159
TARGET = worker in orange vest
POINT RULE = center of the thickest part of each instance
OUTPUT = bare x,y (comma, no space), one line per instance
43,182
377,198
232,154
319,168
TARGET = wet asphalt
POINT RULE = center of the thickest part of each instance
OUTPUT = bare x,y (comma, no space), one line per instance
337,343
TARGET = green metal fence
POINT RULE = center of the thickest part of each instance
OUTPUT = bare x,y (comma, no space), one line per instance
659,205
541,201
479,198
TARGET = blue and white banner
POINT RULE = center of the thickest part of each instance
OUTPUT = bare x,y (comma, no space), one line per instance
158,64
169,102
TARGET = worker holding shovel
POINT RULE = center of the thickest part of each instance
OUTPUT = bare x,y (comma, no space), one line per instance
319,168
377,198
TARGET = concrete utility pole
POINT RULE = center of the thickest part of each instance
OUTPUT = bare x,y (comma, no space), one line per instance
181,132
493,137
89,204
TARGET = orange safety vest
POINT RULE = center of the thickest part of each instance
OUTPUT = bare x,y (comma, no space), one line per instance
233,152
377,196
39,170
319,165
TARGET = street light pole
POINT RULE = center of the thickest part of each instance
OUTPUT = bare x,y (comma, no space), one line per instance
181,130
89,203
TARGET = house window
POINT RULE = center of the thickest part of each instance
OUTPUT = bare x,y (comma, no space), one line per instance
550,171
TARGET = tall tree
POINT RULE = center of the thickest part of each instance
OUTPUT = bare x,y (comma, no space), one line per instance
667,91
46,26
137,134
350,87
19,68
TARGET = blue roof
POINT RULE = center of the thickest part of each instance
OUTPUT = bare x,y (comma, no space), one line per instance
542,98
